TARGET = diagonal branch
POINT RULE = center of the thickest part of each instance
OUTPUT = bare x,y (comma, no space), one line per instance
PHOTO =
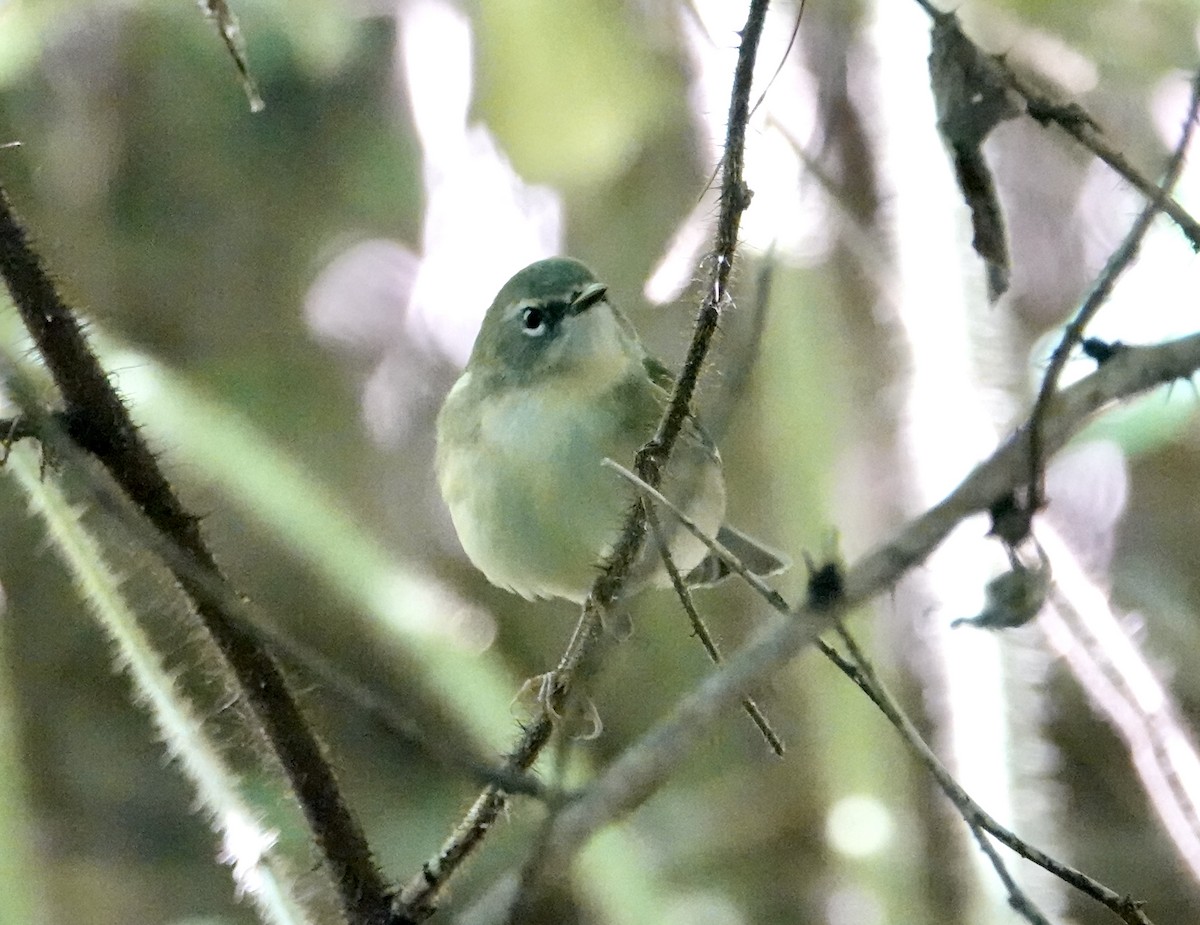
860,670
700,630
99,422
645,766
1117,263
862,673
1076,122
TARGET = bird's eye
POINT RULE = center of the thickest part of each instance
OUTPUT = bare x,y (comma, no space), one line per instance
533,322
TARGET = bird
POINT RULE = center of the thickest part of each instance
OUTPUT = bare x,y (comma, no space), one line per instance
558,381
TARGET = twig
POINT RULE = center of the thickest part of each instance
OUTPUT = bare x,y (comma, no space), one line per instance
231,35
1075,121
773,597
100,424
420,894
700,630
643,767
860,671
1117,263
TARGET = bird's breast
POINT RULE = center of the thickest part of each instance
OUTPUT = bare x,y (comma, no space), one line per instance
532,503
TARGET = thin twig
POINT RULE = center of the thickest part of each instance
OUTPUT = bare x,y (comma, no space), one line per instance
1117,263
1076,122
231,35
860,671
782,60
977,820
99,422
700,630
582,653
642,768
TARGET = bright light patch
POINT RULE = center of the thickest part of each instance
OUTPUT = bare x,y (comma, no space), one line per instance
244,846
851,906
948,415
1086,632
428,610
859,826
786,213
482,221
703,908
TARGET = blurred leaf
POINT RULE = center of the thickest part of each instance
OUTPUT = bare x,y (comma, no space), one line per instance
20,41
568,87
1147,423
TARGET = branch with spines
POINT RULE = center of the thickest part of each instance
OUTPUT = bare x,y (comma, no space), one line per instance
101,424
583,652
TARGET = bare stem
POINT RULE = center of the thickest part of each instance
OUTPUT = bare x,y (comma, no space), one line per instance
701,632
1076,122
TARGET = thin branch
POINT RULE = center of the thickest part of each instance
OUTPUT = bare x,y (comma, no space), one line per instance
864,676
860,671
453,752
1017,899
773,597
645,766
250,847
583,651
700,630
1076,122
100,424
231,35
1117,263
782,60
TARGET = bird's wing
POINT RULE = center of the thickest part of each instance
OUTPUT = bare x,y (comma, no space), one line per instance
664,382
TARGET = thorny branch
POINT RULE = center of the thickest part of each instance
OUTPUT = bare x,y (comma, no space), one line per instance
98,421
582,653
454,753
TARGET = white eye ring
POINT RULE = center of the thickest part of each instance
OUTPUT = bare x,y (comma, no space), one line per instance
533,321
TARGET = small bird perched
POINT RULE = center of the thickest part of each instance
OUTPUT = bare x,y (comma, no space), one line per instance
557,381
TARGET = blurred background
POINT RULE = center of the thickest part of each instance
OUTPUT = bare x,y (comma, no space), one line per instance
285,297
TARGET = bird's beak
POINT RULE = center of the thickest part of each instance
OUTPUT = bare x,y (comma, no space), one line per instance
591,294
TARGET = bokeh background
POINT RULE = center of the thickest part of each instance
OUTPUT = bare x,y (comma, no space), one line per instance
285,296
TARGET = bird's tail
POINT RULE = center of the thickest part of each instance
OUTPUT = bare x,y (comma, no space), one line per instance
757,558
